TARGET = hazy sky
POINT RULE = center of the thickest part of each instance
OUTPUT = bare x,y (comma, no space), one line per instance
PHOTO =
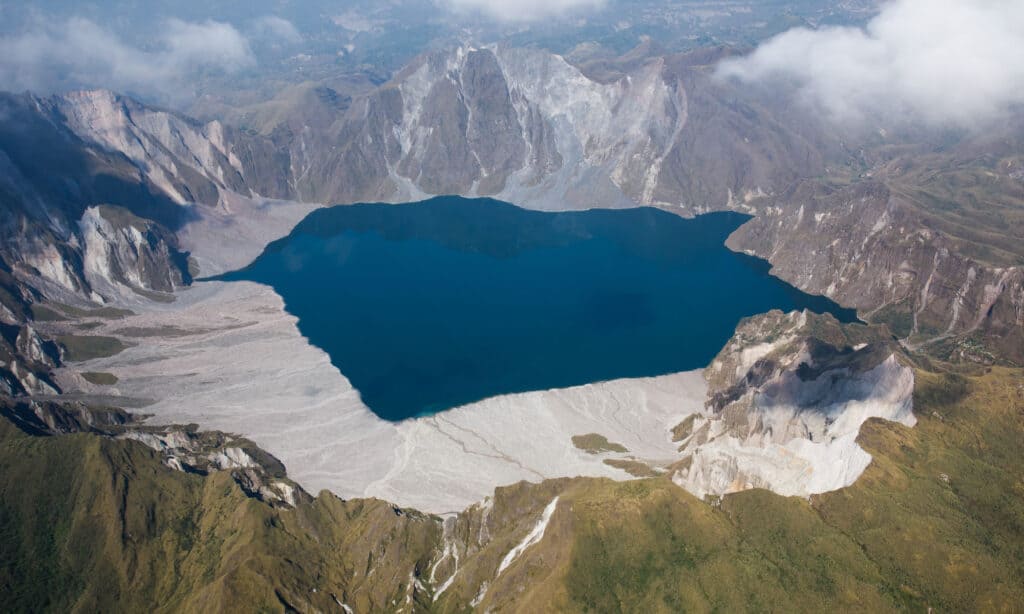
78,52
523,10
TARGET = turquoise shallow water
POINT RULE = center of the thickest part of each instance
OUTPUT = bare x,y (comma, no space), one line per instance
432,305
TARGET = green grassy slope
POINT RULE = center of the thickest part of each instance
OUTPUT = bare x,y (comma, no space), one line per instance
92,524
937,521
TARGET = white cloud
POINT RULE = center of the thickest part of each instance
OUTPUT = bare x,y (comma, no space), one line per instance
522,10
80,53
275,30
939,62
207,44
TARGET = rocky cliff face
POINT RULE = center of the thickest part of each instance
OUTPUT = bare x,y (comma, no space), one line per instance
531,127
147,536
26,361
259,474
51,180
79,222
870,247
54,417
187,161
121,250
786,399
538,130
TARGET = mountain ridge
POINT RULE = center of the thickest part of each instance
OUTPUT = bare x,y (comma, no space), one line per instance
603,545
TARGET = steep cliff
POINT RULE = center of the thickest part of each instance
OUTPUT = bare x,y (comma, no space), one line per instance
537,129
51,179
187,161
26,361
121,250
872,247
531,127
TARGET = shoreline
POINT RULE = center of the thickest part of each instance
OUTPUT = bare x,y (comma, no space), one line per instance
237,363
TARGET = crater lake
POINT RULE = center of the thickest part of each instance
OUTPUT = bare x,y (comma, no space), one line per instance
431,305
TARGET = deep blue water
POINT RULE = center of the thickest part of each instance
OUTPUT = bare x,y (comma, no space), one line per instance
432,305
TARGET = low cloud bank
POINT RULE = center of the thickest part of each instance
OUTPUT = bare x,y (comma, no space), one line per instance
945,63
521,10
79,53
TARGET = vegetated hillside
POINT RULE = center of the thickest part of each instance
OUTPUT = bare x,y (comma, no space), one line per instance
936,521
94,524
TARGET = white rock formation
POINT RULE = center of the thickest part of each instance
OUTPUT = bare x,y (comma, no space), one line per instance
780,417
826,457
121,252
158,142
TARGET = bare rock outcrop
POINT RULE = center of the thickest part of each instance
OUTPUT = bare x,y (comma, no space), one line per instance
26,361
123,250
869,247
786,399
